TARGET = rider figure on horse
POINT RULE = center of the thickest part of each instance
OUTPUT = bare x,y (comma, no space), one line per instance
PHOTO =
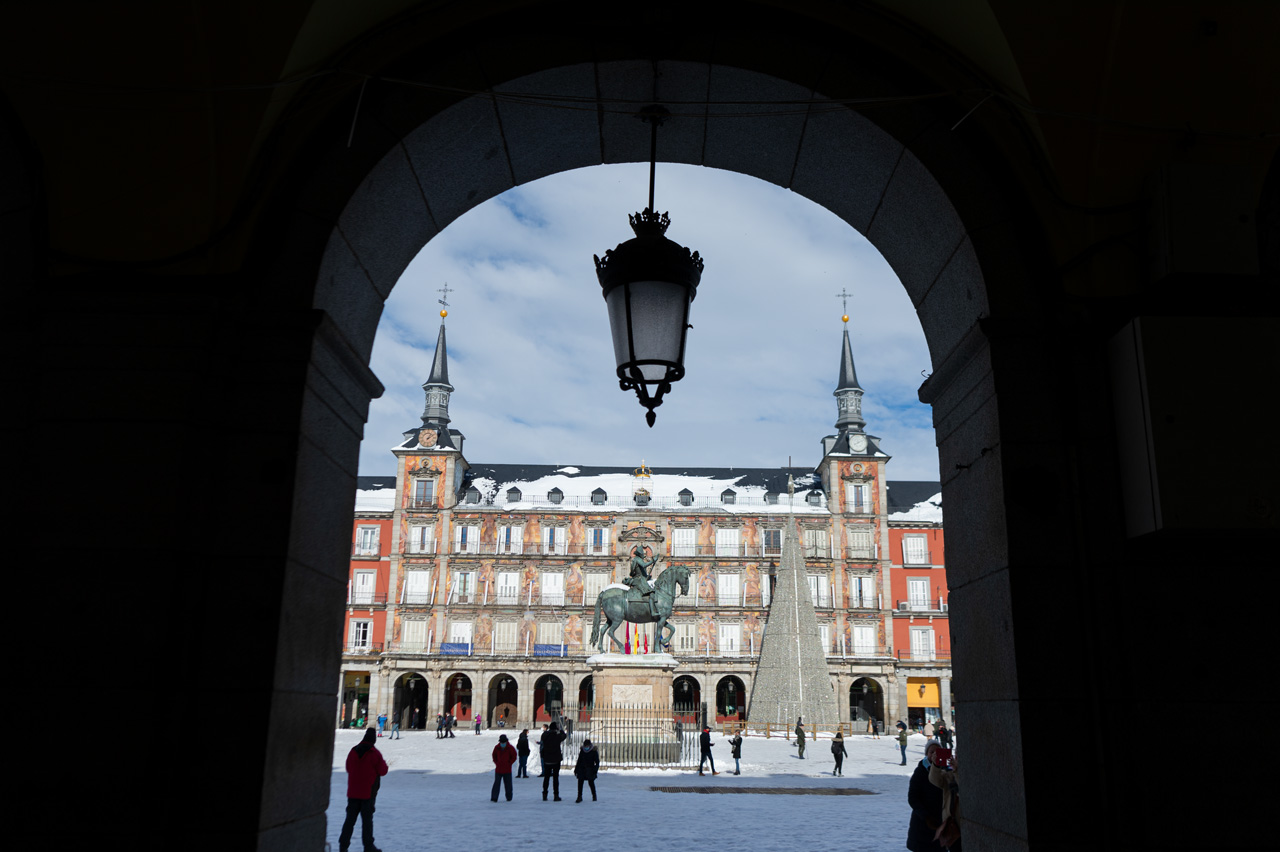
640,577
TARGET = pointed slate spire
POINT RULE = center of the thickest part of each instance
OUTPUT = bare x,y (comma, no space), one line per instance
791,678
437,385
848,392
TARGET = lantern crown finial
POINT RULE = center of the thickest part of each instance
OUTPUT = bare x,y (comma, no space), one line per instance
647,222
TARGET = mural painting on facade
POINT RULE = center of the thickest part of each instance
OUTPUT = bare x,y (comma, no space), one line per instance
528,632
574,590
706,635
573,631
487,586
483,633
751,583
706,584
751,632
530,587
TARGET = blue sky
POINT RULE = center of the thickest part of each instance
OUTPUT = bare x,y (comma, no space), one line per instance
531,360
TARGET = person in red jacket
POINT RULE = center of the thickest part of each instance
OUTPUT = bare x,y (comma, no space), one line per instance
365,768
504,754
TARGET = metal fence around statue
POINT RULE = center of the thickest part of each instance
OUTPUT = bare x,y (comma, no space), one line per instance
632,736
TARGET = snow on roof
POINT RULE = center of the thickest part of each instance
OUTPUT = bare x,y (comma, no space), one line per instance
375,493
927,511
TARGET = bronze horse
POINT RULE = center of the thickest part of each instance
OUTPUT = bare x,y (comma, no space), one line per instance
619,605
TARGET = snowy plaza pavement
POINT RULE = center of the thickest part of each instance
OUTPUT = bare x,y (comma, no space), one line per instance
436,796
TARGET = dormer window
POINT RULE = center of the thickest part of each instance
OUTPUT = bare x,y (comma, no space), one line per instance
686,497
728,496
771,497
642,497
599,496
513,495
473,495
814,498
555,495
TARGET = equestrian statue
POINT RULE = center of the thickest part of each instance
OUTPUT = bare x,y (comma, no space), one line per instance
643,603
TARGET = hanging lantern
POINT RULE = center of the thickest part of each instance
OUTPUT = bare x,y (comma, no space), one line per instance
649,283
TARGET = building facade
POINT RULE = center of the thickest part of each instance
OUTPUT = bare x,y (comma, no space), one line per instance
473,587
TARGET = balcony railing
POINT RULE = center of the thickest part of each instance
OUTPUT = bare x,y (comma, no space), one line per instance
612,550
365,650
864,553
864,601
365,551
922,656
366,599
918,558
921,605
415,548
780,504
747,652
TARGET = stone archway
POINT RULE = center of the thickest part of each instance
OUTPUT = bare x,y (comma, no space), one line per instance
946,258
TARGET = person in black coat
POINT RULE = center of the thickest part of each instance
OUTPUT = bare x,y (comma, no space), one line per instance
926,809
587,767
522,750
839,752
704,744
735,751
551,755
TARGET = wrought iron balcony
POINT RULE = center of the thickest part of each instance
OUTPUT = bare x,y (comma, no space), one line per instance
921,605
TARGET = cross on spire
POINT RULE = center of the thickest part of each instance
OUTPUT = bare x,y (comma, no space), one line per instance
843,296
446,290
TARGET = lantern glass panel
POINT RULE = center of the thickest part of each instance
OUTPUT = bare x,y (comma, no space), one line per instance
658,320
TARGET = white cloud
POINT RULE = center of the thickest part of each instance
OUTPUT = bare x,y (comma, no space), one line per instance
532,363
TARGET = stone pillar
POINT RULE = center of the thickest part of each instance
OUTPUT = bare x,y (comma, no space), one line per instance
944,698
842,696
375,697
524,699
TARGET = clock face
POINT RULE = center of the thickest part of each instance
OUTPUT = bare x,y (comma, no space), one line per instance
427,438
858,443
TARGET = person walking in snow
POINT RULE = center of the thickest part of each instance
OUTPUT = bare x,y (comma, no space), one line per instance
477,724
551,755
839,752
704,745
735,751
365,768
522,749
800,737
586,768
944,735
450,722
439,726
503,756
902,741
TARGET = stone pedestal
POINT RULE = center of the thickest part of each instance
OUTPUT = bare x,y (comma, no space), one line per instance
631,719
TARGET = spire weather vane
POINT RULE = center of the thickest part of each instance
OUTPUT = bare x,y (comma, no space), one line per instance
444,301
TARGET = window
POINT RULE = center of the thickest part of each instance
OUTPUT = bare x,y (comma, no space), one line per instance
599,496
864,641
861,543
555,495
766,588
466,539
862,592
819,590
922,647
771,498
423,493
417,587
598,540
857,497
555,540
464,586
728,496
684,541
686,497
513,495
727,542
728,589
366,541
362,587
460,632
473,495
815,544
550,633
824,631
915,550
918,593
413,636
552,588
422,538
814,498
686,638
593,584
642,497
772,542
505,637
508,587
511,539
730,639
361,633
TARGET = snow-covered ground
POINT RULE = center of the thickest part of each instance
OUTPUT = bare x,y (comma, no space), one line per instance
436,796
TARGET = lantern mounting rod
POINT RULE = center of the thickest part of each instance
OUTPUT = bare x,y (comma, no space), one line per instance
655,115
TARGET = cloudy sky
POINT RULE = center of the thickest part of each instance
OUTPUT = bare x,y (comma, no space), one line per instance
531,360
